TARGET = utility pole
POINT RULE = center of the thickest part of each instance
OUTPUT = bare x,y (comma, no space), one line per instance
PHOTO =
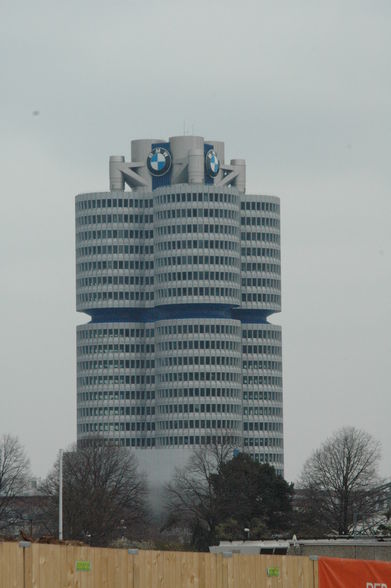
60,499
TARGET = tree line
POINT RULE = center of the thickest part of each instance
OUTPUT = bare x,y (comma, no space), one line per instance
218,495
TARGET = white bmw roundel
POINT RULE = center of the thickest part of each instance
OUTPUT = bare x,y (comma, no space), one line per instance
212,163
159,161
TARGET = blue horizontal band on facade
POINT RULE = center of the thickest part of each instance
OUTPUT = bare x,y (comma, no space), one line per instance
177,311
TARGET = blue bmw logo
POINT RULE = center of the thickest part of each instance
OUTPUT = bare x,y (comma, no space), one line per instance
212,163
159,161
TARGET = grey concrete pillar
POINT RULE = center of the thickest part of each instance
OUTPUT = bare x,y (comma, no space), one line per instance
196,166
240,180
117,182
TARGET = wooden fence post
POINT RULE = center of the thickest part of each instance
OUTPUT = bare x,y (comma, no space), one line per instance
135,573
314,560
27,563
227,563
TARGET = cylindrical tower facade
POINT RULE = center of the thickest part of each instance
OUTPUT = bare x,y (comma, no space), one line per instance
116,382
114,252
198,381
179,276
197,245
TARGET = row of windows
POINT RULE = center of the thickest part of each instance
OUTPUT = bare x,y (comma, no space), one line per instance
136,442
188,440
175,197
109,250
198,276
105,364
104,296
194,440
115,280
102,332
205,344
260,252
199,424
198,329
262,365
256,205
105,427
198,244
168,214
177,345
198,360
96,219
273,268
115,380
88,266
178,361
261,426
118,348
269,237
196,197
263,442
199,377
139,295
262,410
114,203
187,229
260,442
105,396
116,411
259,380
206,392
106,380
121,234
262,334
178,393
200,408
265,394
256,349
262,298
198,291
172,230
261,283
123,442
258,364
177,260
198,260
173,329
258,221
272,458
266,350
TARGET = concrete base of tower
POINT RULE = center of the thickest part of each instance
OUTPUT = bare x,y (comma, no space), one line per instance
158,465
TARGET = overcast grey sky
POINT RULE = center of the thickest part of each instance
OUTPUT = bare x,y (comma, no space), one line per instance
300,89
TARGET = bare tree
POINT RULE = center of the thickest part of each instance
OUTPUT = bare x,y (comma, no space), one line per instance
14,474
338,484
104,495
190,496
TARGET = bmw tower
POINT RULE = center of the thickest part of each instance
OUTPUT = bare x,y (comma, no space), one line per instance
178,270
